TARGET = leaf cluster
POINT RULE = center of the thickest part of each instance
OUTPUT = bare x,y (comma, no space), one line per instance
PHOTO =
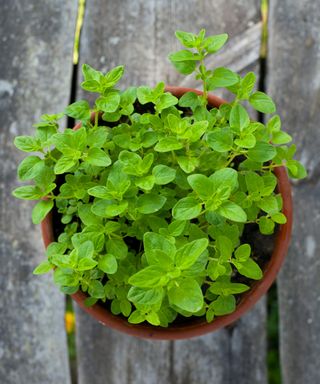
156,191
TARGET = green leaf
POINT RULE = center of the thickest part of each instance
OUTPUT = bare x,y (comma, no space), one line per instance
262,152
196,130
90,301
100,191
281,137
27,143
215,43
86,215
44,267
188,254
91,86
225,246
65,277
79,110
266,225
109,102
153,242
186,209
27,192
220,140
232,211
117,248
30,167
111,227
239,118
109,208
98,157
45,177
146,182
202,185
64,164
108,264
247,85
165,101
97,137
143,296
274,124
146,95
149,277
187,164
296,169
86,249
96,289
136,317
243,252
223,305
70,143
112,77
168,144
185,67
153,318
279,218
227,288
249,268
163,174
221,78
150,203
86,263
184,55
187,295
189,99
91,74
128,96
262,102
40,210
176,227
209,315
246,141
186,38
225,177
125,307
268,204
254,182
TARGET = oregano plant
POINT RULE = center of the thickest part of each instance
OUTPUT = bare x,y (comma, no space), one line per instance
153,193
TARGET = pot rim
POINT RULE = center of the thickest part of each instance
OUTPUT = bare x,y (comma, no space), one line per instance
197,326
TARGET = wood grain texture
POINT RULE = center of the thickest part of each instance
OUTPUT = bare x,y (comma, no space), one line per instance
140,34
36,41
294,80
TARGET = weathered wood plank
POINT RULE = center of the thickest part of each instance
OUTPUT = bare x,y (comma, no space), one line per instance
294,78
36,41
233,355
140,34
106,356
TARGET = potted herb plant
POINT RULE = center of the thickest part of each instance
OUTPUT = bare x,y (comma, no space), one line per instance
166,211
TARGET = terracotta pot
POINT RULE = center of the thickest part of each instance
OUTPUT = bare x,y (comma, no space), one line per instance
197,326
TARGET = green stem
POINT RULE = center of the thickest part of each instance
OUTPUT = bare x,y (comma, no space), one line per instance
51,157
230,160
96,119
204,82
271,166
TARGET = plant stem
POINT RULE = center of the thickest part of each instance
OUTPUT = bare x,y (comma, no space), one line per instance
204,82
96,118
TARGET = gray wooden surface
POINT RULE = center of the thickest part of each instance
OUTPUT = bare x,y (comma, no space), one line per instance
35,67
294,82
36,41
140,34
